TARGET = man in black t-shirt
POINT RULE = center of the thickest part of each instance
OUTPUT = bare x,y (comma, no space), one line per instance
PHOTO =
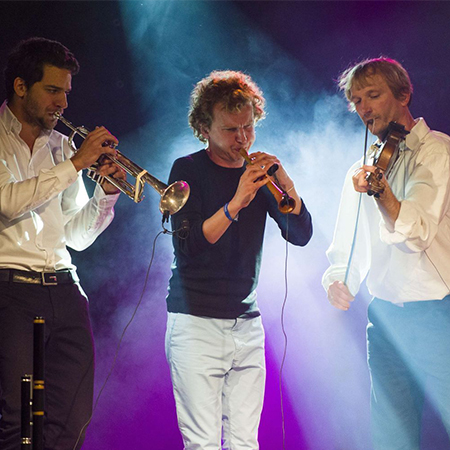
215,338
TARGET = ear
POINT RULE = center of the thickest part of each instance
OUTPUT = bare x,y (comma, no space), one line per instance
205,131
19,87
405,99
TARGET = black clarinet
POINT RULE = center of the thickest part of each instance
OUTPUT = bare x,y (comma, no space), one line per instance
38,383
32,432
26,441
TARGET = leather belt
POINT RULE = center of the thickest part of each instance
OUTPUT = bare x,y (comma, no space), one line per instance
44,278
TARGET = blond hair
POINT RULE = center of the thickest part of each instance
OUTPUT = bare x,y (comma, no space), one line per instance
392,71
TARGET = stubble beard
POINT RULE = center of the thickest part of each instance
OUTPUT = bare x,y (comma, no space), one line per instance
35,118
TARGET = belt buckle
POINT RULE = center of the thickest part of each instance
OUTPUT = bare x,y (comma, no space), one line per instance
53,280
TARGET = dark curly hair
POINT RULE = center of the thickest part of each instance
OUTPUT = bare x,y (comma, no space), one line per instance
28,58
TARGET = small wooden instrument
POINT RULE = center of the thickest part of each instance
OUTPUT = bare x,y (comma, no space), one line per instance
286,204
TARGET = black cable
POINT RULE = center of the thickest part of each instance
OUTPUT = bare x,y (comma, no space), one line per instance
122,336
283,359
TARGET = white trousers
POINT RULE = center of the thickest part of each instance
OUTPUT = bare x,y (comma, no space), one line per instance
218,375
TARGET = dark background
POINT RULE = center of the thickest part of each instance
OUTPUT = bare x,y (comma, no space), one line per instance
139,61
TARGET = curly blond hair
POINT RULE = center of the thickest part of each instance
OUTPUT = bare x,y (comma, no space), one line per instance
233,89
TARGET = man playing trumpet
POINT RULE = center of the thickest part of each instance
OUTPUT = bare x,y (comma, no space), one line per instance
44,208
215,338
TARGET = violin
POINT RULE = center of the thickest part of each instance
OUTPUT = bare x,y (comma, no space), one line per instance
385,157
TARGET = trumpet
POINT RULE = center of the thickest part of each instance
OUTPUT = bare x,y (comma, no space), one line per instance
173,197
286,204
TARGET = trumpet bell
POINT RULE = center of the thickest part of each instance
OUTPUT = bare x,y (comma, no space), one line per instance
174,197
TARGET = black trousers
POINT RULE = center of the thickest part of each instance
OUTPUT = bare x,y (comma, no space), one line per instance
69,360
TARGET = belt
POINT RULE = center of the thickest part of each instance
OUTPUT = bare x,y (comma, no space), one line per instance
44,278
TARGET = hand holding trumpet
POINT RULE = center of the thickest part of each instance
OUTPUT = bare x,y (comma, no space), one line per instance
97,143
111,168
93,147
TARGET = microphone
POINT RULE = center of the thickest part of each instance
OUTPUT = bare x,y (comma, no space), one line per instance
184,230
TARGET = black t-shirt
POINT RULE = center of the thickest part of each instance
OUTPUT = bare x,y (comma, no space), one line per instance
218,280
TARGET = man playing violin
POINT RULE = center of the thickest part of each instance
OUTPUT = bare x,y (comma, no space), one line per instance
44,208
215,338
402,244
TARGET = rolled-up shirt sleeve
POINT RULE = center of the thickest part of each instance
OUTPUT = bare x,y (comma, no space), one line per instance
425,204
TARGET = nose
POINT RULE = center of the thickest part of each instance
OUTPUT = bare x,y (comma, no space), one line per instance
61,101
364,107
241,136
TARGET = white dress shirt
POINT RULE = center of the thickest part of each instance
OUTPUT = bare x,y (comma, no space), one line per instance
411,261
44,206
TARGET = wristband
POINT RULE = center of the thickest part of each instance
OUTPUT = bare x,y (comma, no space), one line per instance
227,213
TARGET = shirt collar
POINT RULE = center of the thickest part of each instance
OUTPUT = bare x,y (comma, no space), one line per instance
412,140
417,134
9,120
13,125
